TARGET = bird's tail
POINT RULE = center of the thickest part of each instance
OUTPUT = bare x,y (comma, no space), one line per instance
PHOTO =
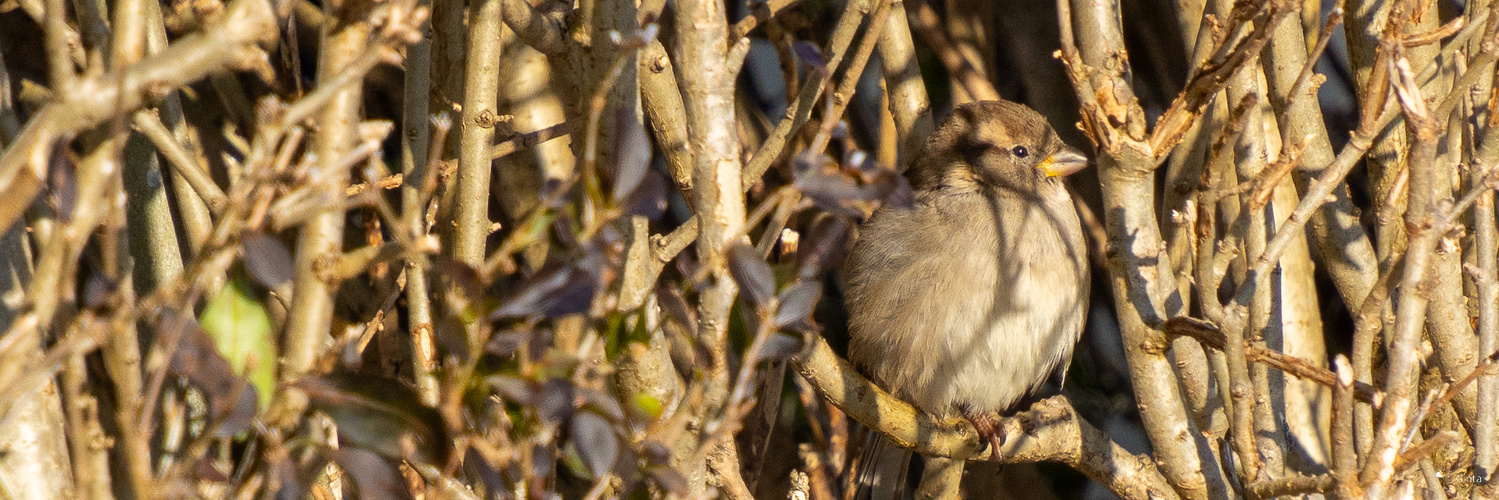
880,473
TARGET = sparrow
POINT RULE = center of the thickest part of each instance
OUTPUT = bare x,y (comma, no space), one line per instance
970,298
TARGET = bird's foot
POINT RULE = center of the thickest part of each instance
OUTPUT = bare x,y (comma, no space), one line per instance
990,431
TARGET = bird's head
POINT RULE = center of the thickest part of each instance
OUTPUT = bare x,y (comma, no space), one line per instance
996,145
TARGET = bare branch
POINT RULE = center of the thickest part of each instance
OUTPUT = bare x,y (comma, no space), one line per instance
543,31
929,27
1213,76
762,12
662,100
228,45
1420,219
1211,336
1049,431
1141,277
182,162
909,105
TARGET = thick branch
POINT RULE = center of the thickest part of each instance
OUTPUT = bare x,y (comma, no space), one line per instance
1140,272
909,104
707,82
662,101
1051,431
468,228
1404,348
543,31
322,235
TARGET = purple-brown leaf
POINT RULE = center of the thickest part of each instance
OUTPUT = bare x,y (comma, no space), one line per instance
196,359
553,292
379,414
595,442
373,475
556,400
632,153
754,276
649,200
780,346
267,260
797,302
809,54
823,247
671,480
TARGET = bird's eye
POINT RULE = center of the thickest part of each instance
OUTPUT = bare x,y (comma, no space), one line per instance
1020,152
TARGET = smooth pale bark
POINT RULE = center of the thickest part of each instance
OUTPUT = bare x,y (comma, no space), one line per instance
1139,271
36,464
321,236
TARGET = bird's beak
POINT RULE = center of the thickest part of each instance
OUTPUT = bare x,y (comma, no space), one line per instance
1064,162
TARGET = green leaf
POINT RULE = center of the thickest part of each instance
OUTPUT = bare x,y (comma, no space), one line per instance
242,333
648,405
615,325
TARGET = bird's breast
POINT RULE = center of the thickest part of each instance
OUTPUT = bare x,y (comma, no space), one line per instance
966,302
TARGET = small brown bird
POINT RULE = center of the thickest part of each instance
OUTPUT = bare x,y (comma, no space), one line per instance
968,300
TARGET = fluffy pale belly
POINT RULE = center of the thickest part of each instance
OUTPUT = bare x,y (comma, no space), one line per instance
968,320
981,352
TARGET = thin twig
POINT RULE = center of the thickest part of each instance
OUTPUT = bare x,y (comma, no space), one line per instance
1227,61
182,162
228,45
763,12
771,149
